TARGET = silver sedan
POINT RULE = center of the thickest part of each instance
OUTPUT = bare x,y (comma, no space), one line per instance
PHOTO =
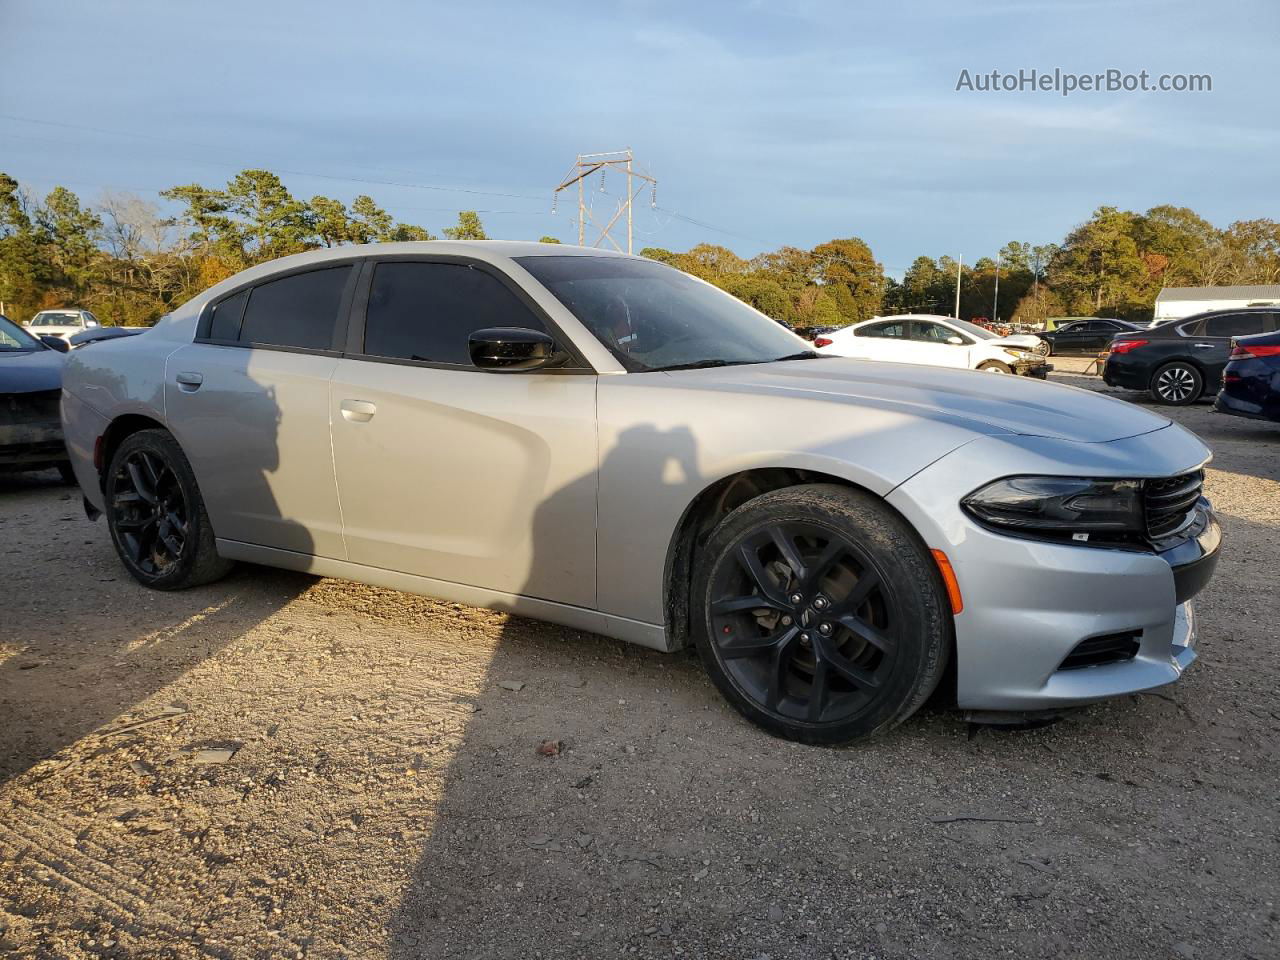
607,443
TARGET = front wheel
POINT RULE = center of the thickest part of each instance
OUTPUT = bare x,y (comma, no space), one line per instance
1177,384
156,515
819,614
995,366
1045,348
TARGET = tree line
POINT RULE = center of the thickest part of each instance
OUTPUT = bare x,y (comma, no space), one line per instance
130,263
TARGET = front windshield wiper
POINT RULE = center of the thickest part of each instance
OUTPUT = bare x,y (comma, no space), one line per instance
700,364
802,355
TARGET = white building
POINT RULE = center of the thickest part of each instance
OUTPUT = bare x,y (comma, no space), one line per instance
1174,303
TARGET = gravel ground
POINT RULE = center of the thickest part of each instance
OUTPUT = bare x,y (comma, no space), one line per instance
277,765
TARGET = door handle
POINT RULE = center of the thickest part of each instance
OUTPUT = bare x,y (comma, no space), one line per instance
189,381
358,411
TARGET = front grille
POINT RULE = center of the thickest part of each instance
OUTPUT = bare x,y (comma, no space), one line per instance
38,406
1108,648
1170,502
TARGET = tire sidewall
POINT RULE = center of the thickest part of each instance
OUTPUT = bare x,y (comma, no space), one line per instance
160,444
924,626
1195,395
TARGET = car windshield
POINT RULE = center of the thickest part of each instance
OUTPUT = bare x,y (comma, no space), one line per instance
654,317
982,333
14,338
57,318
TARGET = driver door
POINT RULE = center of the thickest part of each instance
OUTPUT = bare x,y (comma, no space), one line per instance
930,343
450,472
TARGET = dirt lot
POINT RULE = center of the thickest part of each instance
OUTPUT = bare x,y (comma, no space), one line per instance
380,793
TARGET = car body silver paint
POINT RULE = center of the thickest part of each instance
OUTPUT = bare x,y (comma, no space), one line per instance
922,437
1027,603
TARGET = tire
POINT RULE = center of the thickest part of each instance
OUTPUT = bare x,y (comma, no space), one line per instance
1177,384
849,648
157,517
995,366
1045,348
68,475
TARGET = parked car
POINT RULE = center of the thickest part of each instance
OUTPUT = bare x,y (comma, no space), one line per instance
1083,336
1181,361
30,388
62,323
1251,378
936,341
605,442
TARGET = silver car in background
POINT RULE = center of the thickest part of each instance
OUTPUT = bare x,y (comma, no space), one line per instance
604,442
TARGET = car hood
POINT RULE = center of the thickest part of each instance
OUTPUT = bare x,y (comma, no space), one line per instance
28,371
1023,341
984,402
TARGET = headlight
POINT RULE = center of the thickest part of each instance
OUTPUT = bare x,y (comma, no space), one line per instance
1073,508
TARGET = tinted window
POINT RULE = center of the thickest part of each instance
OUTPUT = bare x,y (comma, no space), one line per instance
934,333
226,317
296,311
1235,325
895,329
428,311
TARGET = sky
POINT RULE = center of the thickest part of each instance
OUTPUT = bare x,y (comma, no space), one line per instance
766,123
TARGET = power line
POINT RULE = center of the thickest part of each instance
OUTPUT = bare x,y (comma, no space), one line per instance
292,172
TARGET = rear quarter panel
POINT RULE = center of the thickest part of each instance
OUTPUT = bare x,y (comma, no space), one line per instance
106,380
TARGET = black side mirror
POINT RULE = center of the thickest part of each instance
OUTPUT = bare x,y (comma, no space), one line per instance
513,350
56,342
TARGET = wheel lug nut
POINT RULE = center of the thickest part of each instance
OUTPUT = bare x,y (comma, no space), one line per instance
804,638
820,603
824,629
796,598
786,621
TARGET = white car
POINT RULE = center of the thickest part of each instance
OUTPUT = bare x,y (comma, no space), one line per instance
62,323
936,341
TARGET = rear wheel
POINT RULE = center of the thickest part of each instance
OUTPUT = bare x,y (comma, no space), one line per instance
156,515
1045,348
995,366
819,615
1177,384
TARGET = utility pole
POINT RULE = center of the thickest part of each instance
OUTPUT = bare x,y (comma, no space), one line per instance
995,300
584,166
959,261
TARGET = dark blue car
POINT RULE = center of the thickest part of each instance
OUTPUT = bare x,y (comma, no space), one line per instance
1251,380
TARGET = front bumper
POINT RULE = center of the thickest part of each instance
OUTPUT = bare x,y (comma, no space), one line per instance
1032,367
30,434
1029,604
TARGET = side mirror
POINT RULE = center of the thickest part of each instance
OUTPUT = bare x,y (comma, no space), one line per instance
955,341
513,350
56,342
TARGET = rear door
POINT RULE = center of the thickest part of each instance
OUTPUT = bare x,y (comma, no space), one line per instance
451,472
885,340
249,403
1211,344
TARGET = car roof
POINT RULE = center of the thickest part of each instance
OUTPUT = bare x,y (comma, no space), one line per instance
1221,310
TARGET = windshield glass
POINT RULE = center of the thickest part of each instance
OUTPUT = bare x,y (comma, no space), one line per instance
972,329
654,317
56,318
13,337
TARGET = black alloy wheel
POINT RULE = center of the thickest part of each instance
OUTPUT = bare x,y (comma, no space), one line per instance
823,614
156,515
